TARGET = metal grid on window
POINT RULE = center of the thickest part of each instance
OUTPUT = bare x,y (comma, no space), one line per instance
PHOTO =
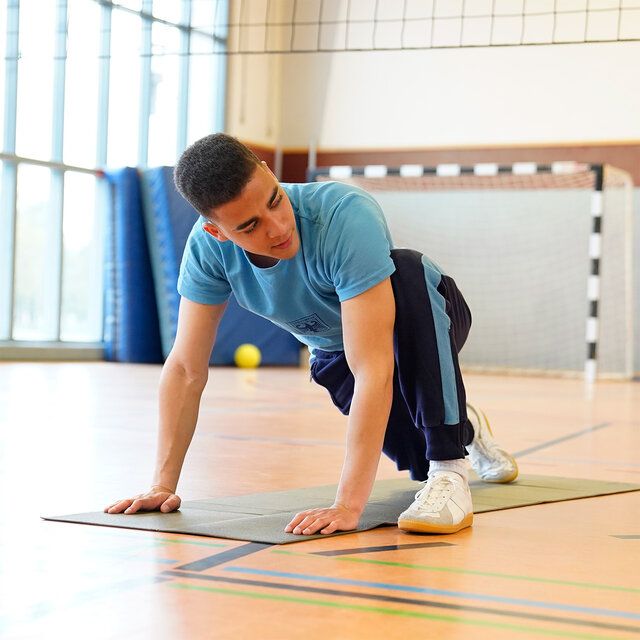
84,84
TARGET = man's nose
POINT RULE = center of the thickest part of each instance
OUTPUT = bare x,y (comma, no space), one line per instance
278,226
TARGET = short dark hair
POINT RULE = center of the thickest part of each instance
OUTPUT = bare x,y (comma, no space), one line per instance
213,171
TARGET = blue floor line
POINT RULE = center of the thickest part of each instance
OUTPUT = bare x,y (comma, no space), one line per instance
441,592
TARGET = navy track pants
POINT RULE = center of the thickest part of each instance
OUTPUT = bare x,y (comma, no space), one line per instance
428,418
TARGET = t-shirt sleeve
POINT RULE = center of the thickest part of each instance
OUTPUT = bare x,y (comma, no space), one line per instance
201,277
358,246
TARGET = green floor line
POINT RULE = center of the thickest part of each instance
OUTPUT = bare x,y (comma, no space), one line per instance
488,574
394,612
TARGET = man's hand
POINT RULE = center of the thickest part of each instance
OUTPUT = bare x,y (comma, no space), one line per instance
156,499
333,518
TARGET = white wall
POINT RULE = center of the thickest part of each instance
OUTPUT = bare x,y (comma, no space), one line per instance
253,80
463,97
495,95
254,112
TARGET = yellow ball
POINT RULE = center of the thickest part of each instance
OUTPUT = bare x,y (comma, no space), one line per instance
247,356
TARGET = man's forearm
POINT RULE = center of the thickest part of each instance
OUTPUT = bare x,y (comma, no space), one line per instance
368,419
179,404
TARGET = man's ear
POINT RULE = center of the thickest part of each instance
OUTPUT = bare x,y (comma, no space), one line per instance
216,232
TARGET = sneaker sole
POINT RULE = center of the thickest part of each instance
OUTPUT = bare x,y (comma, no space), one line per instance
432,527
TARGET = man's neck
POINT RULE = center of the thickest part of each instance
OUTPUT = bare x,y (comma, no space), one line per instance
262,262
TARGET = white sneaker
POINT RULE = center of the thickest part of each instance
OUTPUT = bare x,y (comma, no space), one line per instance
488,460
443,505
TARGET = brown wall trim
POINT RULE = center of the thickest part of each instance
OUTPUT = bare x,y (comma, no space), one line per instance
264,153
623,156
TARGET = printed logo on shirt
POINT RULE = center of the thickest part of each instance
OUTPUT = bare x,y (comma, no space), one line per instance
309,324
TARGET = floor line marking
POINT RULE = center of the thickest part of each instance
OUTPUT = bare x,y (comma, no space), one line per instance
397,612
569,436
602,463
225,556
192,542
402,600
628,537
489,574
441,592
391,547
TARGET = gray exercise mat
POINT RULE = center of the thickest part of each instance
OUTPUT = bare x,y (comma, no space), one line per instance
261,517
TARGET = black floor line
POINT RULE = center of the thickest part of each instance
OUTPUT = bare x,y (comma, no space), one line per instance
391,547
224,556
401,600
570,436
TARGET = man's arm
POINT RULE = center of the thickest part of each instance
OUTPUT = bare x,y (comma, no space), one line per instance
183,379
367,322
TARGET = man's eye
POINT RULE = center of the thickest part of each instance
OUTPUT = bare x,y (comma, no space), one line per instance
251,228
277,201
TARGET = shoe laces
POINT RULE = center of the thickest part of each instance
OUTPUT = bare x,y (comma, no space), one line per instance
434,495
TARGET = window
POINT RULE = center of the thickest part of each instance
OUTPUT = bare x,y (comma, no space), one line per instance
35,79
81,303
163,105
88,84
36,247
82,84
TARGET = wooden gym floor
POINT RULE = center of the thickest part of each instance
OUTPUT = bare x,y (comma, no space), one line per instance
74,437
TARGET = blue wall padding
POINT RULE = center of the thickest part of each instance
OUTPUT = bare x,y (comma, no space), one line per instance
131,326
169,219
239,325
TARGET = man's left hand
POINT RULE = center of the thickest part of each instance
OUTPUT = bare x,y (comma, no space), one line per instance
328,520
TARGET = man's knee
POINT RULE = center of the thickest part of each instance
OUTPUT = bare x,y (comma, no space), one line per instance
457,309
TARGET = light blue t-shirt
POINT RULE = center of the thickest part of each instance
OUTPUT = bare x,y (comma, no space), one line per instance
344,250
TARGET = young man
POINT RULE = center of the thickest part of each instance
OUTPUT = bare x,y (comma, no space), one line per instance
384,327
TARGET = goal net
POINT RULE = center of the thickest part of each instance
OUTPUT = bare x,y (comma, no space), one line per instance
542,255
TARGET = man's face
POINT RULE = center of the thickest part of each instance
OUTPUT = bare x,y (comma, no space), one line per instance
260,220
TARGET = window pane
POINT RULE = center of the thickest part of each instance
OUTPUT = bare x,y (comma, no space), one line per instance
204,85
163,121
35,311
3,49
35,79
82,261
131,4
169,10
81,99
124,90
202,15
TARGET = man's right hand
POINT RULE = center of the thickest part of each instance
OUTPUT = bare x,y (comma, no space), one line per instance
156,499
